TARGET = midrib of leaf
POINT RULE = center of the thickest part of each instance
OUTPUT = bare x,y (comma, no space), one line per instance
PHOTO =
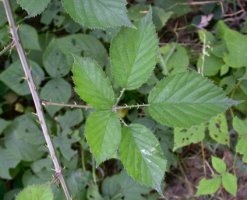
133,63
106,127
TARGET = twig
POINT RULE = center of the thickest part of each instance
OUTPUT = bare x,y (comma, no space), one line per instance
47,103
138,106
36,99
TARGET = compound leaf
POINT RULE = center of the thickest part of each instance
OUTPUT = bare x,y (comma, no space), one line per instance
37,192
91,83
33,7
142,156
98,13
103,134
186,99
134,54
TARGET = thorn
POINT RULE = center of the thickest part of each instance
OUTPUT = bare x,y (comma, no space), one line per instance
34,113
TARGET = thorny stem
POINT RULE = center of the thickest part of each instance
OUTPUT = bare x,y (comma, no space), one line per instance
47,103
35,96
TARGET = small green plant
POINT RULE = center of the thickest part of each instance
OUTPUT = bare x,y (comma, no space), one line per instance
223,178
181,100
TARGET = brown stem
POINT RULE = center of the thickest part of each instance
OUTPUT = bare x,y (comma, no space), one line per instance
35,96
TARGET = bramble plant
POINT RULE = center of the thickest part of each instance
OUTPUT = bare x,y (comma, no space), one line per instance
173,95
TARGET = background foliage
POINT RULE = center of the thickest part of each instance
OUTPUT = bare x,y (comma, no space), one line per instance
201,158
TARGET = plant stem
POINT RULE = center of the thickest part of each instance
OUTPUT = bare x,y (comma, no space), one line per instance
203,159
35,96
47,103
120,96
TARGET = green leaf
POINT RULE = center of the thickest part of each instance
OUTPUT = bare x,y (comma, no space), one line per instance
8,160
174,58
33,7
14,77
122,186
208,186
56,90
98,13
229,182
211,65
141,156
3,18
64,143
58,57
241,127
78,182
160,17
186,99
178,7
29,37
218,129
134,54
82,44
241,147
236,44
219,165
24,139
36,192
206,37
184,137
70,119
3,125
54,60
93,192
91,83
103,134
